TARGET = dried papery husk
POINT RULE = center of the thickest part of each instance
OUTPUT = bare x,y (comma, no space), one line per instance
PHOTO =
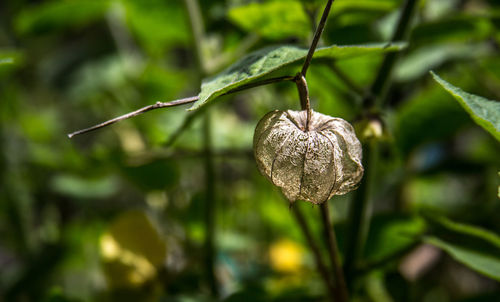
309,165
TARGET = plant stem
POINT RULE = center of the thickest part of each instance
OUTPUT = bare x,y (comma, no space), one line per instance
329,233
210,203
197,28
317,36
346,79
184,101
360,212
320,264
157,105
305,104
198,31
378,90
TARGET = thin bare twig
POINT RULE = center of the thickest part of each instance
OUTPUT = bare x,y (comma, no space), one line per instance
317,36
157,105
183,101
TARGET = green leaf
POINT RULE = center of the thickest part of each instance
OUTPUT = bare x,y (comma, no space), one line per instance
390,234
57,15
470,245
486,113
272,19
420,61
468,230
483,263
262,62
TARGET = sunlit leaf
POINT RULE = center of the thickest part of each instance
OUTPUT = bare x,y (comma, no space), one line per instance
262,62
272,19
486,113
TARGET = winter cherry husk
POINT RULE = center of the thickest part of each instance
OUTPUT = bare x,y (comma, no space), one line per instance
311,165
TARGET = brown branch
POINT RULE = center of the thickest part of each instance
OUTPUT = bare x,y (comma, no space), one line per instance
188,100
340,285
320,264
317,36
157,105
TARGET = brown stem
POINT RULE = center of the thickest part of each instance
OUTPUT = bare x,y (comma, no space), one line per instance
188,100
320,264
157,105
317,36
305,104
341,292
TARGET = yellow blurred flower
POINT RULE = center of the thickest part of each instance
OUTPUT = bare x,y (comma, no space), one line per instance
286,256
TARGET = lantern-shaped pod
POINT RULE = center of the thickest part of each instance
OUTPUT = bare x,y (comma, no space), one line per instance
308,165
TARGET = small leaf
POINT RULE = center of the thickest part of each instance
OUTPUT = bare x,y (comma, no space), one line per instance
262,62
483,263
486,113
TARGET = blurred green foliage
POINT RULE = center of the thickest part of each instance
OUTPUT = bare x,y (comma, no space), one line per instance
116,215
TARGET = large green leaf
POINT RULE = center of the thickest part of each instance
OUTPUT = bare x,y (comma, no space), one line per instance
486,264
486,113
272,19
262,62
470,245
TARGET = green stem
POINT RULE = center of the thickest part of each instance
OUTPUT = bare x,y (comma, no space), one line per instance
197,28
341,292
210,204
378,90
198,31
346,79
317,37
360,213
320,264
